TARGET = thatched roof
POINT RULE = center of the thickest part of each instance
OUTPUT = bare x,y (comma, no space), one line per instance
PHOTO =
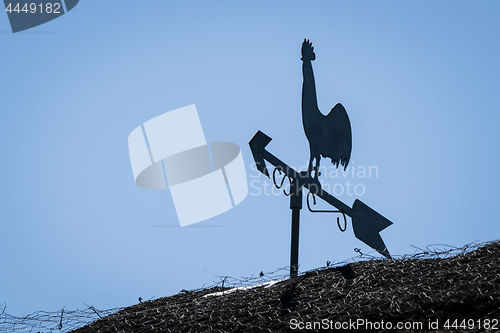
414,289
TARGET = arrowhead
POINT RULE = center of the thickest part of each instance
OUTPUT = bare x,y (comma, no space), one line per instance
257,145
367,224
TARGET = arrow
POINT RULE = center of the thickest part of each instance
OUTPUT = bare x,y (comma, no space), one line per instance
257,145
366,222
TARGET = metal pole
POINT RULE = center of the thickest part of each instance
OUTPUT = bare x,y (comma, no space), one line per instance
295,206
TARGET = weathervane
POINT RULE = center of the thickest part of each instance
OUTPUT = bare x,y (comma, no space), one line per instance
328,136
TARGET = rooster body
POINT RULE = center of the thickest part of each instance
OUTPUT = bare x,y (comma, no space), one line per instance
328,135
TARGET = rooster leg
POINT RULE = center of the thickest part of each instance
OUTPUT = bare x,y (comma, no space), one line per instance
316,169
310,169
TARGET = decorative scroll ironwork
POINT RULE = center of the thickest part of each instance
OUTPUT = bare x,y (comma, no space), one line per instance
282,180
326,211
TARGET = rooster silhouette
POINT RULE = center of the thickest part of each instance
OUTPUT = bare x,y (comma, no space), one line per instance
330,135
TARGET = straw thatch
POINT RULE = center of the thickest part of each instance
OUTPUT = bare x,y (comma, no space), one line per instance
422,288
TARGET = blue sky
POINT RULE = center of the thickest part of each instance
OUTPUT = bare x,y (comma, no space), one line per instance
419,81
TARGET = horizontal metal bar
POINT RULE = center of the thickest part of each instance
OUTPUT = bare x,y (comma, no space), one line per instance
280,164
309,183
